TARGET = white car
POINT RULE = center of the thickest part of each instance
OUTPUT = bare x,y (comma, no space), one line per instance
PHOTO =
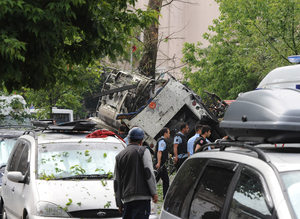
58,176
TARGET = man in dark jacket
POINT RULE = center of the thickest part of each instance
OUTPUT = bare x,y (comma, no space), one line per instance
134,181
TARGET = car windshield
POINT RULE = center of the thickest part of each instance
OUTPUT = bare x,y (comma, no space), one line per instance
292,183
59,161
6,146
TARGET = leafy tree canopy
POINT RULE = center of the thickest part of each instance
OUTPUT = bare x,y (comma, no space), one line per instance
39,38
67,93
249,39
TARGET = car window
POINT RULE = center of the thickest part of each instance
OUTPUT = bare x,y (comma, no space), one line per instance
250,198
15,158
23,163
6,146
292,184
211,191
181,190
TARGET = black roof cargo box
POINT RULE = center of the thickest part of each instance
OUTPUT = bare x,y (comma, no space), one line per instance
266,115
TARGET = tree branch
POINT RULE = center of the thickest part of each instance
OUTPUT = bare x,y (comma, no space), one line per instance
269,42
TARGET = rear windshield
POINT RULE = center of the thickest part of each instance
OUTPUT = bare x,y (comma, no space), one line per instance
292,183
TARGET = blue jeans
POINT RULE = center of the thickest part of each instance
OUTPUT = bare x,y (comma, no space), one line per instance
137,210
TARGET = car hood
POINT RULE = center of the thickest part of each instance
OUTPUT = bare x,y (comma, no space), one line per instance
77,194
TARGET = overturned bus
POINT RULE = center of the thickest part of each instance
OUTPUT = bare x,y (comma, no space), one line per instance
135,100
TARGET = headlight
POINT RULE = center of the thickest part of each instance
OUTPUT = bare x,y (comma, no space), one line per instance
48,209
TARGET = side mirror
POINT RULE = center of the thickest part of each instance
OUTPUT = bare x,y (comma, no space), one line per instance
16,176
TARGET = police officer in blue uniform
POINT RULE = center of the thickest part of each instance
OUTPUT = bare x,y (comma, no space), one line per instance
161,153
191,141
180,145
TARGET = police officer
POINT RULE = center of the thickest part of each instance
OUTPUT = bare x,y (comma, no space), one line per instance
180,145
122,131
191,141
161,152
134,181
202,140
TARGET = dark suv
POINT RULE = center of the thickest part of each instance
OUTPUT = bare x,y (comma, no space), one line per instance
256,174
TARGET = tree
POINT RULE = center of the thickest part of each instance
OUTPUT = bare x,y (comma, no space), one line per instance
68,93
147,64
249,39
39,38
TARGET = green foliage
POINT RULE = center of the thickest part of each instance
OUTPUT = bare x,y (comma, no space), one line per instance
249,39
108,204
77,170
110,175
69,202
42,40
104,182
44,176
13,110
68,92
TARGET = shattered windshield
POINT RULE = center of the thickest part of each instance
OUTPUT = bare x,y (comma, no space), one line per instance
76,160
292,184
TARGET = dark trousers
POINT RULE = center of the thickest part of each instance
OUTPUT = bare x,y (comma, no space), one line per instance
137,210
162,174
180,162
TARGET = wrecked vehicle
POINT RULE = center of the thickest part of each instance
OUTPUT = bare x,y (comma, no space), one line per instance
135,100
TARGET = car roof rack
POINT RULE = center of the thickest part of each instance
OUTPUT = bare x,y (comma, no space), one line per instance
30,132
75,126
223,144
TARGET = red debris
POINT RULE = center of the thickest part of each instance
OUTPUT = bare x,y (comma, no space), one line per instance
103,133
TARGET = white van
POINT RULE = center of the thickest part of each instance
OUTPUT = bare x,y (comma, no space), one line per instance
282,77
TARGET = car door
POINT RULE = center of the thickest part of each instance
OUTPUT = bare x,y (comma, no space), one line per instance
211,191
13,191
199,189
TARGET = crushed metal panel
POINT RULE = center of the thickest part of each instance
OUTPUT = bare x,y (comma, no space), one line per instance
167,103
122,93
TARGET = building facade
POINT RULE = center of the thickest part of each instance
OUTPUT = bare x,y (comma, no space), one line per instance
181,21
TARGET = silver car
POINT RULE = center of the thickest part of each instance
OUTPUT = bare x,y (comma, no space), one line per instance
237,182
58,176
